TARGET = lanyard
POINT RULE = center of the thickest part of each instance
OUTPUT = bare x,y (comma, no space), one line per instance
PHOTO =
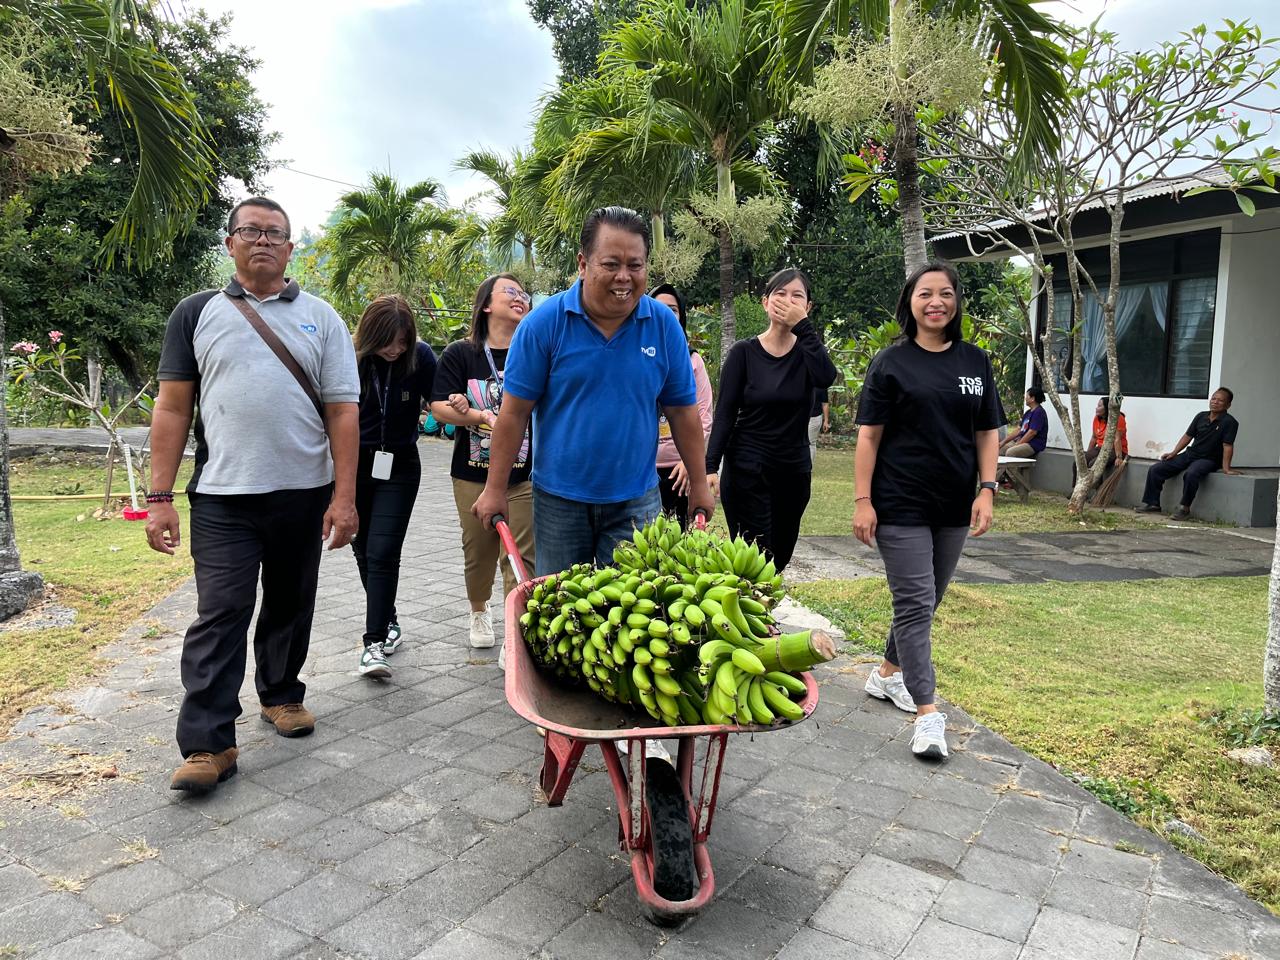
497,377
383,391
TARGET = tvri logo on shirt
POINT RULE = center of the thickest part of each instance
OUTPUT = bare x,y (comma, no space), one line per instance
649,351
971,386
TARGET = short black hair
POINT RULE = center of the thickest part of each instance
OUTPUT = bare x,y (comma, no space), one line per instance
624,218
1036,394
264,202
907,320
785,276
1230,396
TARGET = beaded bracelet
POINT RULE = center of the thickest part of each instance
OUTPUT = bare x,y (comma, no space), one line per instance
160,496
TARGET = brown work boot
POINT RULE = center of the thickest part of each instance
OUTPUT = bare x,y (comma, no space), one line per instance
201,772
290,719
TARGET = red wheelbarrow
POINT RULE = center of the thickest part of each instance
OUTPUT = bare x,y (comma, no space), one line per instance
662,827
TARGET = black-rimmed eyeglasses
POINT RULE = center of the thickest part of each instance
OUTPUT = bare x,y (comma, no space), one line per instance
253,234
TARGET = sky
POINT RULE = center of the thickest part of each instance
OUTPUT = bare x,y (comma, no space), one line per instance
409,86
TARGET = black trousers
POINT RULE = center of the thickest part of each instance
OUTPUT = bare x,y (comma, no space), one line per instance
384,507
765,505
1162,470
673,503
233,540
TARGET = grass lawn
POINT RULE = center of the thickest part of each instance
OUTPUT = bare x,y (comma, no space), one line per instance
1119,683
830,511
103,569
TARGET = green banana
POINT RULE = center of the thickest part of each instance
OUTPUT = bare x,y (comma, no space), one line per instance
777,699
755,700
747,662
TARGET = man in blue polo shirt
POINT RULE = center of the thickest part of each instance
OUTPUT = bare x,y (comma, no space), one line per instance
596,365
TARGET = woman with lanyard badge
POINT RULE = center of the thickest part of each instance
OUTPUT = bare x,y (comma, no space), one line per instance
929,413
468,393
396,372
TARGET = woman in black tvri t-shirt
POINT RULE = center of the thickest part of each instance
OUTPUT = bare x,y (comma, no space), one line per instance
929,415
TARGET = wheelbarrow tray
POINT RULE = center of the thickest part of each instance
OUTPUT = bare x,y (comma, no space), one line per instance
579,713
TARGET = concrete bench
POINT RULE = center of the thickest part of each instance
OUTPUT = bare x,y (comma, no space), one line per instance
1248,500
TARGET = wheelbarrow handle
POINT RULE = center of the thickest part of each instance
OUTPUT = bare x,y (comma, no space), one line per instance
509,544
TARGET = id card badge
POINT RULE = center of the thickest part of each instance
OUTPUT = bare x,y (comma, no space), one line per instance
664,428
382,465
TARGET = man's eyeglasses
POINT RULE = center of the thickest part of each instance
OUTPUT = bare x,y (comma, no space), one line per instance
253,234
517,293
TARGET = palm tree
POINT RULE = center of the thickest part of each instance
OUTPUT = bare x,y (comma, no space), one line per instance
519,209
380,236
174,158
711,84
1013,34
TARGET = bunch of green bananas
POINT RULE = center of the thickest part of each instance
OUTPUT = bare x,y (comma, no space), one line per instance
669,646
663,547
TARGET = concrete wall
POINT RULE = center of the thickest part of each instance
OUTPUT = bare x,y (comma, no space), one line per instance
1246,501
1246,353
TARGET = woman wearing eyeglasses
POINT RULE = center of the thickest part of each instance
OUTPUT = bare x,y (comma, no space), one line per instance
468,393
761,426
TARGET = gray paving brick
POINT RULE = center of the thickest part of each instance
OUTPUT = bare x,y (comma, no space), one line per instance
786,895
175,921
1197,927
1151,949
999,871
527,914
583,875
107,943
350,751
295,773
1037,811
322,902
1092,898
336,840
126,889
392,864
867,920
810,944
937,938
988,911
450,831
279,821
1109,864
515,852
862,799
875,875
47,920
87,857
1067,935
387,931
452,892
249,936
398,767
262,876
462,944
931,852
19,883
500,802
1022,841
395,811
583,939
202,854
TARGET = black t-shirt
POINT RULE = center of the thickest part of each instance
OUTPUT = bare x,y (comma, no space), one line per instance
465,369
404,400
820,396
762,414
1209,436
931,406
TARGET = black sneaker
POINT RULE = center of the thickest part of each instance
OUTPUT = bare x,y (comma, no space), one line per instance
1182,513
1147,508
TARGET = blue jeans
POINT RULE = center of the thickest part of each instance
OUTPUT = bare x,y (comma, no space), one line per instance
569,532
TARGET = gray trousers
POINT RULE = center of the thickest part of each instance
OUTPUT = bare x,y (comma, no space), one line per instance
918,562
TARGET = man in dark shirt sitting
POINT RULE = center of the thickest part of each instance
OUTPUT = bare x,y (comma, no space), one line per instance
1207,446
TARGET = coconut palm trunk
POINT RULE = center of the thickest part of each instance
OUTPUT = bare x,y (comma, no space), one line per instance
9,559
906,161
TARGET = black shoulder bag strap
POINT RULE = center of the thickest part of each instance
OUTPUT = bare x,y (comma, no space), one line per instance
272,340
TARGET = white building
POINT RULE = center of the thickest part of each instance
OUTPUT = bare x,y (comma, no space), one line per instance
1198,309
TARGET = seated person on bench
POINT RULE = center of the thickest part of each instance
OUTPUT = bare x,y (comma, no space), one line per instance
1207,446
1030,437
1121,445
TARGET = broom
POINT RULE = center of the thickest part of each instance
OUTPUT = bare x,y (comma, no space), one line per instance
1107,489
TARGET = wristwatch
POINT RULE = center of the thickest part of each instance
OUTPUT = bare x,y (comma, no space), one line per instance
989,485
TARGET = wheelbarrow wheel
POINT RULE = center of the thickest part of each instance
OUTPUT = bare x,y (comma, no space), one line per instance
674,874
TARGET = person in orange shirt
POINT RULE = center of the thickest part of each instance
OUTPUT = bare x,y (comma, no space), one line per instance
1121,445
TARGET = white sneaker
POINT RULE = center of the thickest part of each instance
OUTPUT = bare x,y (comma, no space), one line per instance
890,688
373,662
652,748
481,629
929,738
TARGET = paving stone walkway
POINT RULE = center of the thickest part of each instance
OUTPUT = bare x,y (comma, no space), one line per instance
409,825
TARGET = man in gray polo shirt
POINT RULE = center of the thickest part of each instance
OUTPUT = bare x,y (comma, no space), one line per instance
272,482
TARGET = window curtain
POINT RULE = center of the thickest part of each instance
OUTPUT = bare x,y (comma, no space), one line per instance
1129,302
